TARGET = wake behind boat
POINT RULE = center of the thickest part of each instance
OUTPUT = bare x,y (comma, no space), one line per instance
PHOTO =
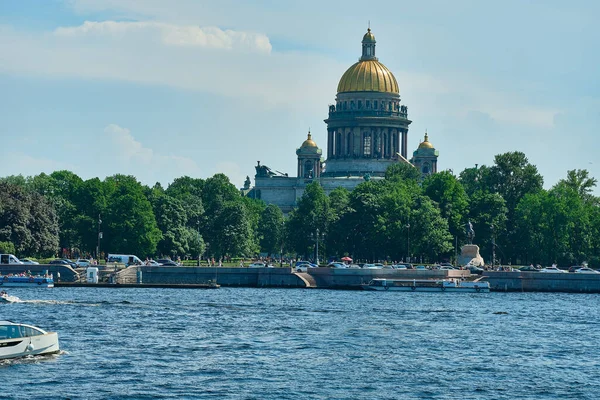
427,285
20,340
26,281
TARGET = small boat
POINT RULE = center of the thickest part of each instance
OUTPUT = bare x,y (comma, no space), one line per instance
427,285
20,340
26,281
6,298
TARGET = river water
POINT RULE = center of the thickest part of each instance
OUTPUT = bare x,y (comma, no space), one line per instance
238,343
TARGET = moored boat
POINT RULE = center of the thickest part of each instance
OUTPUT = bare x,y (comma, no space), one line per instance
427,285
20,340
26,281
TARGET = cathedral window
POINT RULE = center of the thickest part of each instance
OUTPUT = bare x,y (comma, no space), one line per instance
375,104
345,105
367,144
359,104
368,104
352,104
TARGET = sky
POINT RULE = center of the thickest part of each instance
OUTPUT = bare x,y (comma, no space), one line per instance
163,89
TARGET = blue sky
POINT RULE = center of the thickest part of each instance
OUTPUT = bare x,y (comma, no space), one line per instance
164,89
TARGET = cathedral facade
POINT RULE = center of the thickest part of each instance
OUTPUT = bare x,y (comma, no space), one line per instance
367,131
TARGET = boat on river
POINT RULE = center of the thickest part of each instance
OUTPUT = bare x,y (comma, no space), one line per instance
6,298
20,340
427,285
26,281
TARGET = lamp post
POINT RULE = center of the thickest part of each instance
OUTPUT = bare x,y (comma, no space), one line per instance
99,237
199,246
281,243
493,245
316,238
407,242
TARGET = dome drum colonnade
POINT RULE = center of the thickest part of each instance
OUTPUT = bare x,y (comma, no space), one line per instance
368,121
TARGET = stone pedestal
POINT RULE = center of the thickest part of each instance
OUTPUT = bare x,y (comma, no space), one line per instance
469,253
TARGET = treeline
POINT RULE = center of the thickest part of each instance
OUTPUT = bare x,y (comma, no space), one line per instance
392,218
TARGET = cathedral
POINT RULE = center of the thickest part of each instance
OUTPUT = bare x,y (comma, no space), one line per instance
367,131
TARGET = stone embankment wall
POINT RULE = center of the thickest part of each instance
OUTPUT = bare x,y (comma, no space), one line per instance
543,282
273,277
350,278
67,274
248,277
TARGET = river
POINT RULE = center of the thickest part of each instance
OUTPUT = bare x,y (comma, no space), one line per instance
242,343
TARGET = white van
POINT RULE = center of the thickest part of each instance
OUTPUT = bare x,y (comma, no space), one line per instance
127,259
9,259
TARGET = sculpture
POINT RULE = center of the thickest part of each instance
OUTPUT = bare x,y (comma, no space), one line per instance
470,232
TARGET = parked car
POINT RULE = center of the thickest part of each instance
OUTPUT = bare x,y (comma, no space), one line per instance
583,270
82,262
475,270
152,263
529,268
260,264
446,264
166,262
372,266
449,267
28,261
553,270
353,266
421,267
64,261
336,264
303,267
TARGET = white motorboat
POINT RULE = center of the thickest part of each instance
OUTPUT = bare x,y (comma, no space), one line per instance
20,340
6,298
26,281
427,285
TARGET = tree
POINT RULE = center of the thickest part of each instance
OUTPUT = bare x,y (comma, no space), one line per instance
234,234
402,171
449,194
488,214
580,181
171,219
130,223
312,214
270,229
27,221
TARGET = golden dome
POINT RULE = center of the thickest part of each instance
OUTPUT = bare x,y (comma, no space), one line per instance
308,142
368,76
426,144
369,36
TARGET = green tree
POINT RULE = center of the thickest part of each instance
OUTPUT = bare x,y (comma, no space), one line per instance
581,182
171,219
271,229
130,223
449,194
234,234
312,214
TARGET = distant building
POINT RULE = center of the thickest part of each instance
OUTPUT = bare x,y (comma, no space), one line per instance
367,131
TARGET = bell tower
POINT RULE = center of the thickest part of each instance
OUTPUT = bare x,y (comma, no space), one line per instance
309,159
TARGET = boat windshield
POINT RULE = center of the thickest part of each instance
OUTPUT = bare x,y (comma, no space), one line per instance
18,331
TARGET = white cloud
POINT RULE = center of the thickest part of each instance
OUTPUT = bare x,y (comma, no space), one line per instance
128,155
169,34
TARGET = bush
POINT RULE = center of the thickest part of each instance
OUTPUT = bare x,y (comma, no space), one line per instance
7,248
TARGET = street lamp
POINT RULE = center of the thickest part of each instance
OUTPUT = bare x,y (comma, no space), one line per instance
316,238
407,242
493,245
199,245
99,237
281,243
